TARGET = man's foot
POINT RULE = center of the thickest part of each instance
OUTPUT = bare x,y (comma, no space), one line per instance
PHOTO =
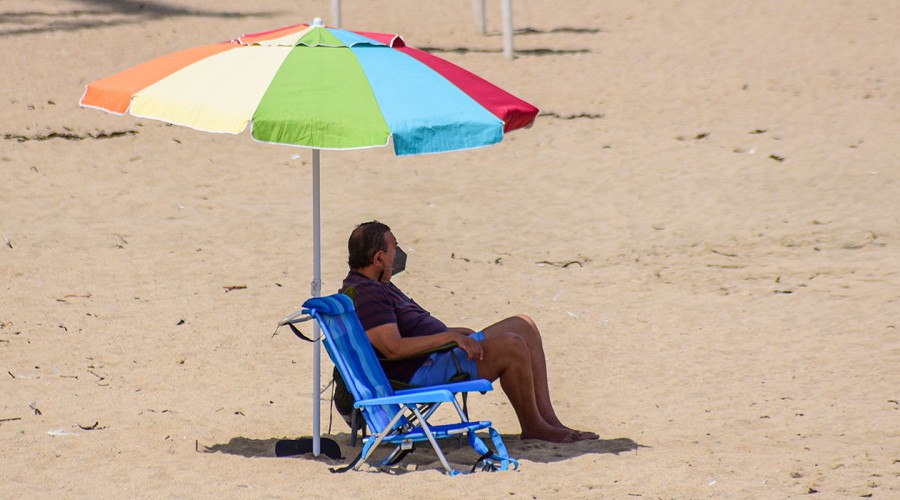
552,434
560,434
576,434
585,435
581,435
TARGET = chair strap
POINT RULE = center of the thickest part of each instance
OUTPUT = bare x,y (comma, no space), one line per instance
299,334
352,464
400,456
493,460
487,466
459,370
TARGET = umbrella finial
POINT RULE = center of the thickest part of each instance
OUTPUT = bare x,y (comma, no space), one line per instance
317,23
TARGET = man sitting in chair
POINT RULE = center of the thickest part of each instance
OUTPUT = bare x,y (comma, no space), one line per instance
398,327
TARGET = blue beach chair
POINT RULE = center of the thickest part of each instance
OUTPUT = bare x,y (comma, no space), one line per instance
396,417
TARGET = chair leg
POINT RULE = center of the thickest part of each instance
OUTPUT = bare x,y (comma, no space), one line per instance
465,410
357,426
395,456
430,436
373,442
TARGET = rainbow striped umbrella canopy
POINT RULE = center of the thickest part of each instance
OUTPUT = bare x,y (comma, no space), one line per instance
318,87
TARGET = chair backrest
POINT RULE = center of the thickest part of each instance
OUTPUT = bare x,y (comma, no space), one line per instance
349,348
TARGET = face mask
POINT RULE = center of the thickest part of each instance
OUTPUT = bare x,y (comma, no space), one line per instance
399,262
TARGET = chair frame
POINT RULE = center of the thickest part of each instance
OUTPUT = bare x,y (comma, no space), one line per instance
406,411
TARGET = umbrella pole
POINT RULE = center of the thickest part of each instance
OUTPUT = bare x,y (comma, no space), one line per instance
291,447
316,292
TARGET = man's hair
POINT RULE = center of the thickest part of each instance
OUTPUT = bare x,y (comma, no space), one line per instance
365,241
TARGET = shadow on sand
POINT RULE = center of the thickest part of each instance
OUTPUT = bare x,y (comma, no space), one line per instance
541,51
424,456
519,52
105,14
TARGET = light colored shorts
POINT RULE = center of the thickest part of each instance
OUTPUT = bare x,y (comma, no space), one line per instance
440,367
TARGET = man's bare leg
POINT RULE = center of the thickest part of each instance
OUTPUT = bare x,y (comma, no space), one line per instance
524,327
506,357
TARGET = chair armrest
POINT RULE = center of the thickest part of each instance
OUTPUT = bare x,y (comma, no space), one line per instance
420,396
478,385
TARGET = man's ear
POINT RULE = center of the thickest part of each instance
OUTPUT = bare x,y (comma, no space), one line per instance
377,259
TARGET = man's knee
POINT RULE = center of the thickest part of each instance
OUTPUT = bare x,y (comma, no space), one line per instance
503,351
504,342
524,326
512,344
528,323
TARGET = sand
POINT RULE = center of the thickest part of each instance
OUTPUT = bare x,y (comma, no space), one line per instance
703,221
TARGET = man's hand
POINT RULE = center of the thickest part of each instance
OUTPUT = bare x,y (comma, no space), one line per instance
472,347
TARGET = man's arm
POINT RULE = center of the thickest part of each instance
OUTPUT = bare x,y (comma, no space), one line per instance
460,329
386,338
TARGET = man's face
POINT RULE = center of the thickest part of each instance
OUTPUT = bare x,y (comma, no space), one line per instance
387,258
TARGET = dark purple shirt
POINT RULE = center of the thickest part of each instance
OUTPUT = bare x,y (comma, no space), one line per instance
383,303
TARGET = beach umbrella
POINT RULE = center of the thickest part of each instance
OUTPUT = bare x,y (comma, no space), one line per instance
318,87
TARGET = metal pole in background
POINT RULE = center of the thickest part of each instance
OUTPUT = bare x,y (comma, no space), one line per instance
336,13
506,15
478,9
